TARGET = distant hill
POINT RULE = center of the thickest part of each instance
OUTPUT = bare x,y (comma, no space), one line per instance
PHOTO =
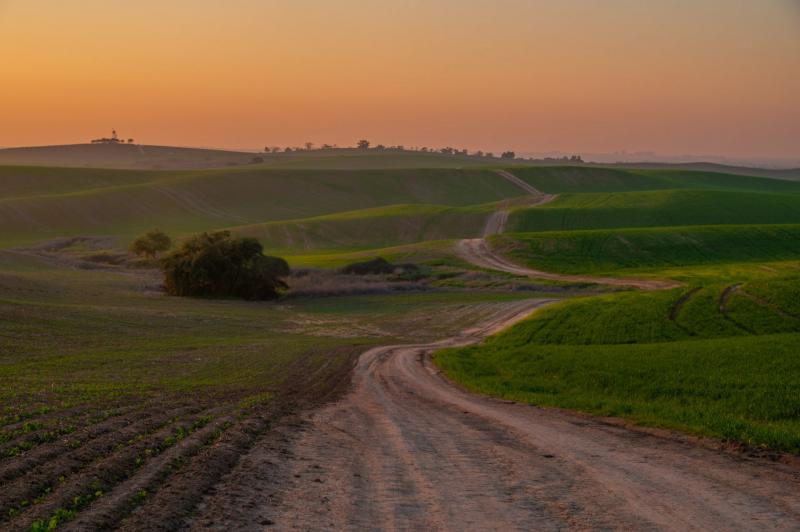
134,156
122,156
145,157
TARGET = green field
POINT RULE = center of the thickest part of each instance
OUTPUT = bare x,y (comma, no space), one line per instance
622,251
717,357
657,209
83,325
687,359
187,202
577,179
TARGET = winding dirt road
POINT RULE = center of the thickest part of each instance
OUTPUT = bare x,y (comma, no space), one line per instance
407,450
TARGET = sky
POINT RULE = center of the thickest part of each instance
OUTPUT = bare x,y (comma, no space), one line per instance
668,76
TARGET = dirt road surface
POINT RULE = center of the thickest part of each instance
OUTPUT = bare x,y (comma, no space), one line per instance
407,450
527,187
476,251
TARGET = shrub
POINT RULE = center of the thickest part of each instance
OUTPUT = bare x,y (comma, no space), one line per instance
375,266
219,265
151,243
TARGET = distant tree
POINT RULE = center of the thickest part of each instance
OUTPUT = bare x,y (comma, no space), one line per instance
508,155
478,153
287,149
363,144
576,159
275,149
130,141
327,147
220,265
447,151
380,147
489,155
151,243
309,146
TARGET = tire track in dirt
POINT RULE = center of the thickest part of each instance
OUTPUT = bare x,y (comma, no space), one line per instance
407,450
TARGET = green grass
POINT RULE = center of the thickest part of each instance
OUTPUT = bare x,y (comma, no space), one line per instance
82,335
657,208
687,359
574,179
378,227
191,201
742,389
615,252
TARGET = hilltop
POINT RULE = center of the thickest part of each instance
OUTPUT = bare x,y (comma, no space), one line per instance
149,157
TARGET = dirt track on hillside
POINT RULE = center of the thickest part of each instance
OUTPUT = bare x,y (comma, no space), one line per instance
478,252
407,450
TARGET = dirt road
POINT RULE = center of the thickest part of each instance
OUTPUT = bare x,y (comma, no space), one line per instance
406,450
476,251
527,187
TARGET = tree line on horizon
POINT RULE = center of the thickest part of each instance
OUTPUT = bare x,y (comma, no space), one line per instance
366,145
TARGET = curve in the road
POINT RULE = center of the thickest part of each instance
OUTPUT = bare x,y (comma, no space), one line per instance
407,450
478,252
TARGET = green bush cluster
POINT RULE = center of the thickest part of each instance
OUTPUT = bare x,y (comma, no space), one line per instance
219,265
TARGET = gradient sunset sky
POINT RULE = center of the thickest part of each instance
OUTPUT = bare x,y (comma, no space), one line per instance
671,76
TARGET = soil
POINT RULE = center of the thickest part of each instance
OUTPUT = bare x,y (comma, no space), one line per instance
408,450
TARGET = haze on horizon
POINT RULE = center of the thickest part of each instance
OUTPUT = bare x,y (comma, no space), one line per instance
675,77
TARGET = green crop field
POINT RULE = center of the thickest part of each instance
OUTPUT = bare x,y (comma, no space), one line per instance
371,228
574,179
183,202
719,360
656,209
104,376
716,357
618,251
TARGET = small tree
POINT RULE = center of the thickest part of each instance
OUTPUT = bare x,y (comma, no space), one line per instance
508,155
151,243
363,144
309,146
220,265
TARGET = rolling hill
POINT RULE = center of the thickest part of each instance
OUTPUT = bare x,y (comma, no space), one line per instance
574,179
609,252
655,208
44,203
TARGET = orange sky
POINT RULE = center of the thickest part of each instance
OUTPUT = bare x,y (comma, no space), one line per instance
672,76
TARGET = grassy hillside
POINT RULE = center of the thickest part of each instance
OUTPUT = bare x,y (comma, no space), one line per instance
573,179
608,252
657,208
717,360
185,202
371,228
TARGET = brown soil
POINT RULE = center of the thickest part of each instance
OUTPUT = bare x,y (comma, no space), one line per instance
405,449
